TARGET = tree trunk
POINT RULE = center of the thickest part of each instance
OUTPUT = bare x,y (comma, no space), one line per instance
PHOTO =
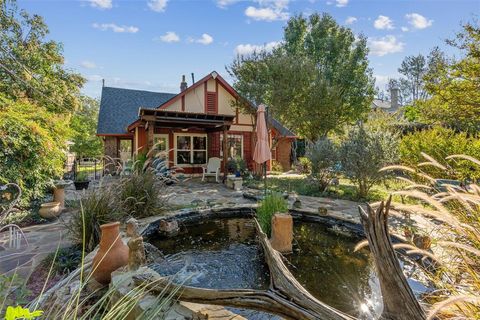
399,302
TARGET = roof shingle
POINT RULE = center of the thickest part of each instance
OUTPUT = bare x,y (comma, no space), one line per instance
119,107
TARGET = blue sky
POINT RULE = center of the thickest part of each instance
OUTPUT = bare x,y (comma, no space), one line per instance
149,44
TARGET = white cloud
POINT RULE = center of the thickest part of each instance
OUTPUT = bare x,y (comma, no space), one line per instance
88,64
381,81
268,10
101,4
383,22
418,21
170,36
341,3
385,45
404,29
115,28
157,5
246,49
205,39
225,3
351,20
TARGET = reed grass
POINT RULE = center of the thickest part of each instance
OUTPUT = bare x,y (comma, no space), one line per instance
456,242
272,204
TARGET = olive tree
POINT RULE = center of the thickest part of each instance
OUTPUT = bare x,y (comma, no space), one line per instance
364,153
323,155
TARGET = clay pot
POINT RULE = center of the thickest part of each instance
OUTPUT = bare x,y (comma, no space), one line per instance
59,196
111,255
50,210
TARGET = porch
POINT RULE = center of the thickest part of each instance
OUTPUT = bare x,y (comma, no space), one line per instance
190,139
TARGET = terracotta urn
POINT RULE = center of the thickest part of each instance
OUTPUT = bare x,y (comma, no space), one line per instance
111,255
50,210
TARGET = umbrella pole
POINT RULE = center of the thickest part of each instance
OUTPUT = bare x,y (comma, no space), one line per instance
265,178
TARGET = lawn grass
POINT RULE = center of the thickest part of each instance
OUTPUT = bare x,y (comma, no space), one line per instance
304,186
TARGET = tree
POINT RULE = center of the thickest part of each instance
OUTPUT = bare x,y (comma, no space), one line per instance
364,153
316,81
454,85
32,143
84,127
31,67
414,68
323,155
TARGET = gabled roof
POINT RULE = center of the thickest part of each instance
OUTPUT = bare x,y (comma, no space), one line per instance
211,75
282,130
119,107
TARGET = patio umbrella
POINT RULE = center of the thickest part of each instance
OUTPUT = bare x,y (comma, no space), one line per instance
262,149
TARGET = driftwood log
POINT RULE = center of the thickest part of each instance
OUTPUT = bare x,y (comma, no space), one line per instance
287,298
399,302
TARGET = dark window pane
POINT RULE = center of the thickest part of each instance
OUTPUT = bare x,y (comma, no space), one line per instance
199,143
199,157
183,143
183,157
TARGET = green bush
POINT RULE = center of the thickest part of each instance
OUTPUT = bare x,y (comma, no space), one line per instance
364,153
138,195
439,143
323,156
98,206
304,165
272,204
32,143
276,166
64,260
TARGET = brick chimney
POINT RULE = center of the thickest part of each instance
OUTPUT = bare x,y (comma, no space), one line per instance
394,92
183,84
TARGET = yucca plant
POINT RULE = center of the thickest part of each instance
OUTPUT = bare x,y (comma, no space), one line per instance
272,204
455,243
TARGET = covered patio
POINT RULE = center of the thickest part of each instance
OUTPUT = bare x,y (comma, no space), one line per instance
189,139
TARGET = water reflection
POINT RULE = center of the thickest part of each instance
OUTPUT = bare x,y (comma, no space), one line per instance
224,254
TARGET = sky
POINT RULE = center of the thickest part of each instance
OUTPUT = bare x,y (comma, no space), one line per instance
150,44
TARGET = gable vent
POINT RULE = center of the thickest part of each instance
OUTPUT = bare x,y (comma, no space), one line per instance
211,105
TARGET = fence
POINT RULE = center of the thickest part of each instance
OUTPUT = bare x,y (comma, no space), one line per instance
91,167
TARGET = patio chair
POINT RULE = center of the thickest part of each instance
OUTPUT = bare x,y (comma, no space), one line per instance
212,169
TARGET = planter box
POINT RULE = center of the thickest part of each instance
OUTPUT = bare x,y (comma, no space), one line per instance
80,185
234,183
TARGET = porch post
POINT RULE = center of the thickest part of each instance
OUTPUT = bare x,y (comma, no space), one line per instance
150,128
225,154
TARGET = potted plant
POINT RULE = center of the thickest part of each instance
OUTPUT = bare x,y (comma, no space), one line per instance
81,181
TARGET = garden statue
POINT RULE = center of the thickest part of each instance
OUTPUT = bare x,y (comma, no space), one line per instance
136,253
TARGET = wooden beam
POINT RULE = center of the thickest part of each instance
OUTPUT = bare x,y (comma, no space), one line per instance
225,153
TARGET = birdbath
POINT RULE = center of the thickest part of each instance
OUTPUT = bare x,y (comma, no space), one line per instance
59,192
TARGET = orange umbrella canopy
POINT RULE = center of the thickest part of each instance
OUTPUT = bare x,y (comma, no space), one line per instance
262,149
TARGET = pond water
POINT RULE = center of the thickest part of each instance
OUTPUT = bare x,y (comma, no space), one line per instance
224,254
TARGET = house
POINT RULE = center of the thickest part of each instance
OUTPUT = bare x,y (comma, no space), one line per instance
390,106
190,125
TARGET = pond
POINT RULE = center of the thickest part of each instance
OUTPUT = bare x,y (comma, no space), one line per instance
224,254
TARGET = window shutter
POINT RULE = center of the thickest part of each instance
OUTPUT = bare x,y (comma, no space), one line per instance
211,97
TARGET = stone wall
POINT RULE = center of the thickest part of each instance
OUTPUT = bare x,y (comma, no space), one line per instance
110,147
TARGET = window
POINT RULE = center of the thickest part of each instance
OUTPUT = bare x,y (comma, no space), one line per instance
160,141
234,146
190,149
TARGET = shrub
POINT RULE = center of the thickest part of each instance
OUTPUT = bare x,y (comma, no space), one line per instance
276,166
438,143
272,204
99,206
364,153
64,260
323,156
138,195
304,165
31,143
